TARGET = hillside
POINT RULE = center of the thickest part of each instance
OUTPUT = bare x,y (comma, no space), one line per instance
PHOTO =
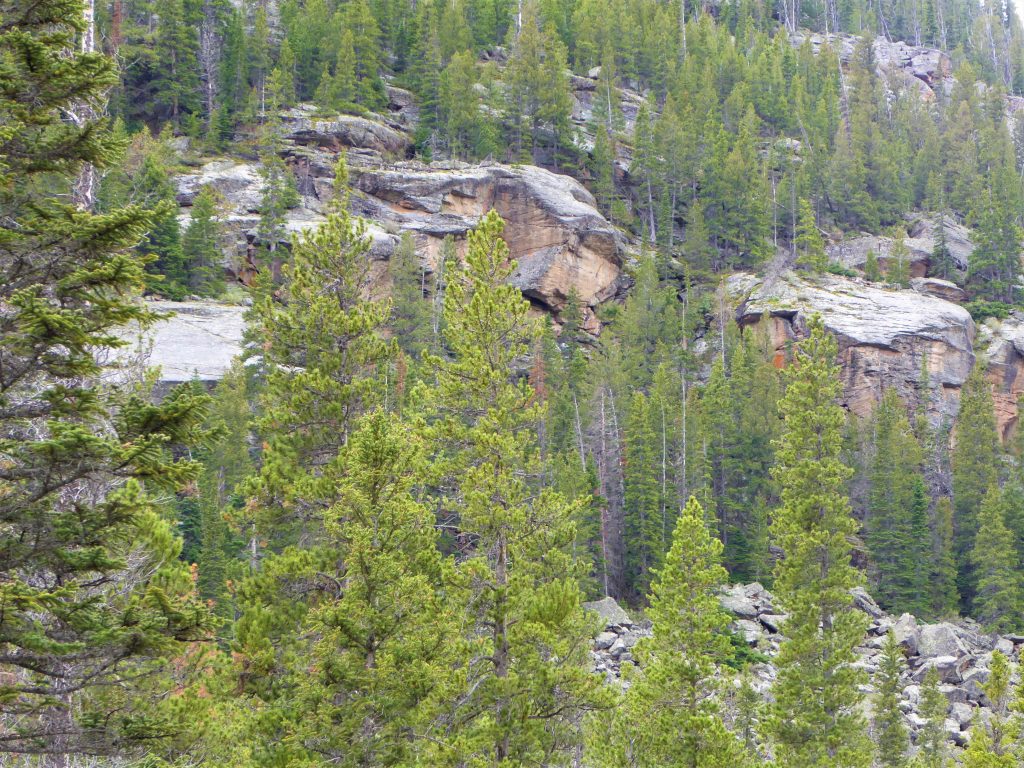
365,365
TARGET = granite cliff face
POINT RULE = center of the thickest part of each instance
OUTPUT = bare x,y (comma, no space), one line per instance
885,336
562,243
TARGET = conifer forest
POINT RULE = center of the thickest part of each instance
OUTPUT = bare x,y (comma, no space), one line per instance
511,384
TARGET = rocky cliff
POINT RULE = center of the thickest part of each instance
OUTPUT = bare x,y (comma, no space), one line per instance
886,336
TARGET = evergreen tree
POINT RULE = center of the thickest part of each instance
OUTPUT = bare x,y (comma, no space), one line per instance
810,246
177,73
943,598
817,719
642,503
410,308
898,271
671,713
896,518
998,598
892,739
381,659
201,246
538,87
279,194
974,463
226,464
934,752
95,599
524,663
321,344
988,747
872,269
471,134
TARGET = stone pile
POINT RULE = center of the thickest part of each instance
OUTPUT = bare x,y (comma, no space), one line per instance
960,651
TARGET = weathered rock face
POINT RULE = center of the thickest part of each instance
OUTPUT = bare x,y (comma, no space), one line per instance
960,652
303,127
940,289
884,335
924,231
554,230
198,340
1003,343
852,252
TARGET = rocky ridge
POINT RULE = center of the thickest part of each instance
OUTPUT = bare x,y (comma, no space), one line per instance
960,652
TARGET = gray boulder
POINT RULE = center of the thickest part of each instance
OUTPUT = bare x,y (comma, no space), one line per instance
610,612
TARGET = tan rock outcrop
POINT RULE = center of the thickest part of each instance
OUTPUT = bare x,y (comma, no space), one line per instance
884,335
852,252
554,230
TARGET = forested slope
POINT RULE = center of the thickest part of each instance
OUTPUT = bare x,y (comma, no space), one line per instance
533,304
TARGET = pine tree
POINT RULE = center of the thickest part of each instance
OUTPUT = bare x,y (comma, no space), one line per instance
95,599
810,246
226,464
898,271
471,134
410,308
176,47
381,660
989,747
896,517
998,599
974,462
201,246
817,719
944,600
671,713
538,88
321,344
525,662
279,194
934,752
872,269
892,739
642,508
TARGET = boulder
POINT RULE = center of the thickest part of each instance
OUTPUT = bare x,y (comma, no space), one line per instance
749,630
949,668
559,239
736,601
943,289
610,612
940,640
604,640
862,601
303,127
907,634
883,335
962,713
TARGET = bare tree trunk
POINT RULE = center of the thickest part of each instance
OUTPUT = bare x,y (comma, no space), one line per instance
84,190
